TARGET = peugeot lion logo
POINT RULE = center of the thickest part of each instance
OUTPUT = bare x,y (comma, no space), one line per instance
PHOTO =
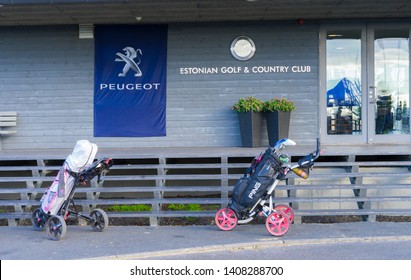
128,57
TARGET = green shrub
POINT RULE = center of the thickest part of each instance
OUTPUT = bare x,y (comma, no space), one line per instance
277,104
185,207
247,104
129,208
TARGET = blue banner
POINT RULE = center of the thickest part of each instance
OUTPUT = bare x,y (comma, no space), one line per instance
130,80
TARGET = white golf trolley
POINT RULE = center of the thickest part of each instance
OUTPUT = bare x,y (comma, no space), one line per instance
57,203
253,193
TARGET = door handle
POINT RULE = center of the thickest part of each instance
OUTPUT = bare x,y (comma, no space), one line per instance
372,94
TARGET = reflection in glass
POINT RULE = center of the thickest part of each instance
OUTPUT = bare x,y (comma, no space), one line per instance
344,82
391,53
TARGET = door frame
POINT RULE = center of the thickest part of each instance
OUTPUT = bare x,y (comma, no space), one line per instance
371,136
367,77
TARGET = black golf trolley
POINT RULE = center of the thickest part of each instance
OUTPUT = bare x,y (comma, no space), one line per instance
253,193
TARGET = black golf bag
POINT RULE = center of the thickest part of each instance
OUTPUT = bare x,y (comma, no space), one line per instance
254,184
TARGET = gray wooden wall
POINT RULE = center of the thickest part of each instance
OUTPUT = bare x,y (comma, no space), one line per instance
46,75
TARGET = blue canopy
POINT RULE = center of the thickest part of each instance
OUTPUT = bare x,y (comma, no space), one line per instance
345,93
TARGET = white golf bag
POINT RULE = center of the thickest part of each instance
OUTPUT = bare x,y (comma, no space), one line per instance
82,156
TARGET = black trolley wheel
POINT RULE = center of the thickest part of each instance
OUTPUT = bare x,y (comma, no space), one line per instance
38,220
99,220
56,227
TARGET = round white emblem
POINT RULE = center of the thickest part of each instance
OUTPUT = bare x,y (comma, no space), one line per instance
242,48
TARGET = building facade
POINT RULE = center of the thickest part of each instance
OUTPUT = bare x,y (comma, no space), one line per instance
349,80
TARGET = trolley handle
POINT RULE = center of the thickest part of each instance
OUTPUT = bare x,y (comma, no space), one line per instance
308,159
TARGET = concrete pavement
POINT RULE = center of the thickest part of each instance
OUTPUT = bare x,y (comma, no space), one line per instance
134,242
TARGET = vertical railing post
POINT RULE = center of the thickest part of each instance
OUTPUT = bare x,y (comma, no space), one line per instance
293,194
158,195
224,180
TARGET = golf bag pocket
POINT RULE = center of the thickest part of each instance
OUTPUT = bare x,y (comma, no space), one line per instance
49,197
240,187
57,193
61,187
256,189
268,169
238,191
51,201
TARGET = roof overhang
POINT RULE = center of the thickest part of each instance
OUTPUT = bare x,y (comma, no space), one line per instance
53,12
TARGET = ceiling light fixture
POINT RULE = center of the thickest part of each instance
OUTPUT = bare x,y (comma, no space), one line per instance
334,35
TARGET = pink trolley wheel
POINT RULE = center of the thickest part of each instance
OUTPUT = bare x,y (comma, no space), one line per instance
277,223
286,210
226,219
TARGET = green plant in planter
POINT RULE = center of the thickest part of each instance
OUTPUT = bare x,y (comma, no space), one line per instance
277,104
248,104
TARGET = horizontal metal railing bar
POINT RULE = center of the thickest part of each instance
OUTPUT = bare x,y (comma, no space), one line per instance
130,201
328,212
140,189
202,177
353,212
363,164
122,189
318,165
29,168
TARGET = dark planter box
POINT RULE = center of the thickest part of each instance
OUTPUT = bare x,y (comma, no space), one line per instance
250,128
278,125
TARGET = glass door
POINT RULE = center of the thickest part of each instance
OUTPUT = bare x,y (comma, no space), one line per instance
342,66
389,84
